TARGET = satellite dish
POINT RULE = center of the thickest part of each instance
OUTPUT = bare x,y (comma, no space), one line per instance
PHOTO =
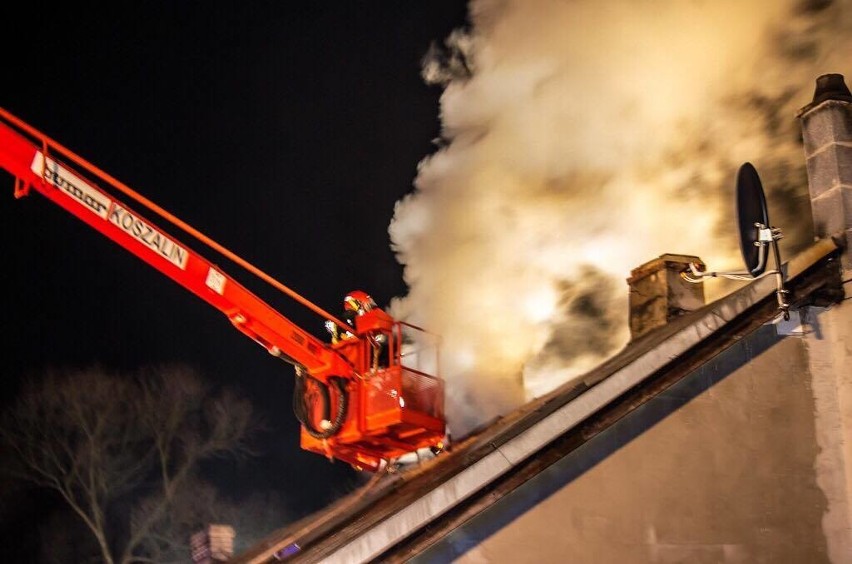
752,217
755,235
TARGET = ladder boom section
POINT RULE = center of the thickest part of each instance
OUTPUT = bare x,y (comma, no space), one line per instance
34,167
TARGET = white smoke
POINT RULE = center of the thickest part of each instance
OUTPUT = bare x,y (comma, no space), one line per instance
581,139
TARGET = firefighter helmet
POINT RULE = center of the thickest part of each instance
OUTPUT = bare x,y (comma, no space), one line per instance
358,301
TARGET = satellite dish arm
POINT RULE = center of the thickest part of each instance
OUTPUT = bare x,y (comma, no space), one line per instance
780,291
696,275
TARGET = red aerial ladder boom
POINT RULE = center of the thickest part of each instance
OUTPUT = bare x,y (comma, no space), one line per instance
354,405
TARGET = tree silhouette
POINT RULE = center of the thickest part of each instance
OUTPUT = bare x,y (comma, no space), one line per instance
123,450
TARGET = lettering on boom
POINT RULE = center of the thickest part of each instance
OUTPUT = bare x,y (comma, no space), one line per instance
100,204
147,235
71,185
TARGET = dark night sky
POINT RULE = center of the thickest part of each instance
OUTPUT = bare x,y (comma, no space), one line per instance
285,131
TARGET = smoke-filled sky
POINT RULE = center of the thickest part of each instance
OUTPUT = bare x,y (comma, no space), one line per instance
579,140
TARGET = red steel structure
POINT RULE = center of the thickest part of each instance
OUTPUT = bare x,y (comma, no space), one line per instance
357,403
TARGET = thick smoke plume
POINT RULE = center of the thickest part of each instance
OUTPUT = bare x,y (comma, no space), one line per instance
581,139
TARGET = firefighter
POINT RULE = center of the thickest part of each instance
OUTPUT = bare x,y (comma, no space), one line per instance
357,303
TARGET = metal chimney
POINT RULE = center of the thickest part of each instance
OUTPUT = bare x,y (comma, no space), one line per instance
827,134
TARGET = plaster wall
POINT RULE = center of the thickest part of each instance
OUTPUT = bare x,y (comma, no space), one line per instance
747,459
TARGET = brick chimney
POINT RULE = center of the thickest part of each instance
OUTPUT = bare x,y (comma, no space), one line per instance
827,133
212,545
658,293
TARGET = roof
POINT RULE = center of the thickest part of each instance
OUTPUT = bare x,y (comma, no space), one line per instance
394,516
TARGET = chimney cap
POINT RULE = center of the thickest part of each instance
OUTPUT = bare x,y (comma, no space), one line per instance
829,86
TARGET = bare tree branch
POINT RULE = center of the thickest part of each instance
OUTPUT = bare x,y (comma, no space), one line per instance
96,438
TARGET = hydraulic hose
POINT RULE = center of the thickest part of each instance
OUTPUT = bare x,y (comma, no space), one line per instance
300,408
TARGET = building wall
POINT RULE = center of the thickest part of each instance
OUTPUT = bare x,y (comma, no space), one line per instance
747,459
828,343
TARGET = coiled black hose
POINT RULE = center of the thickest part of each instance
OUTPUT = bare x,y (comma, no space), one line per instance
300,408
